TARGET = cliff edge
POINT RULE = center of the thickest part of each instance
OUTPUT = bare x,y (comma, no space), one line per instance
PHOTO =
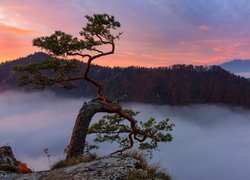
112,167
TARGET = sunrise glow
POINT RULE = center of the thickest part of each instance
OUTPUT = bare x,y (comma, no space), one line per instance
155,32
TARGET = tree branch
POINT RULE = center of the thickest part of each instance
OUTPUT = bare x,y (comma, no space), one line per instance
95,83
78,54
100,38
99,51
60,81
127,147
106,53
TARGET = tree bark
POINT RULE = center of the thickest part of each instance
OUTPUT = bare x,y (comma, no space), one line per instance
84,117
80,131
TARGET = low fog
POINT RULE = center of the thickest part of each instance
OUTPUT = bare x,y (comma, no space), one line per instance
244,74
210,141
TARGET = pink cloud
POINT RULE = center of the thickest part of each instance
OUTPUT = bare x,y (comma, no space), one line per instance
14,30
164,36
204,27
15,42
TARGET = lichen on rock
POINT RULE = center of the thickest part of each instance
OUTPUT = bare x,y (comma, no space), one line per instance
130,166
8,162
112,167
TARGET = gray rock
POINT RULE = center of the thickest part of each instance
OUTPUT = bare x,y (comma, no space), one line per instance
8,162
112,167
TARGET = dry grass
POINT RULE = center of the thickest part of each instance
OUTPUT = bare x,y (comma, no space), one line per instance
73,161
139,155
145,170
140,174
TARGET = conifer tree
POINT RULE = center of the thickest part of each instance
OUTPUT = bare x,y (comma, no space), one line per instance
99,34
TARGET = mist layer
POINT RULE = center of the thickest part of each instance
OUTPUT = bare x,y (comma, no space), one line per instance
210,141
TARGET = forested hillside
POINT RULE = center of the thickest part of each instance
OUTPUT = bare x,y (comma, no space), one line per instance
176,85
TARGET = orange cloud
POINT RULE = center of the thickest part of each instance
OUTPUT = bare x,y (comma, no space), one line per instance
12,48
14,30
151,38
15,42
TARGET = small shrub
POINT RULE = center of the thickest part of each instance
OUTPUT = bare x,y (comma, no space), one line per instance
73,161
137,174
139,155
155,171
144,170
59,164
140,174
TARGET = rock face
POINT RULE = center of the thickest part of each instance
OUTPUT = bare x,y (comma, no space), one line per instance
8,162
112,167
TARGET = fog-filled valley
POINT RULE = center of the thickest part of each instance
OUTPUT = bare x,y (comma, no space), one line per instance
210,141
244,74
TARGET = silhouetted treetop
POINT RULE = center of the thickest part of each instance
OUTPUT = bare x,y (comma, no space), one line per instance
98,31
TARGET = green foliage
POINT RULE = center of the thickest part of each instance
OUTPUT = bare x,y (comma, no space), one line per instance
98,31
144,170
158,130
59,43
100,25
113,128
48,73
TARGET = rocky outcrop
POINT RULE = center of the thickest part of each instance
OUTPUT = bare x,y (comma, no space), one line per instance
112,167
8,162
130,166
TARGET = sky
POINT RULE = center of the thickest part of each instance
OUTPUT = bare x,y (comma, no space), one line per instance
155,32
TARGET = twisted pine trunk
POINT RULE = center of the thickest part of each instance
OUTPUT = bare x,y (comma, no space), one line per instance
80,131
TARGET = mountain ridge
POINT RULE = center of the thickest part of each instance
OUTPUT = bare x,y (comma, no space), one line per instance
176,85
237,65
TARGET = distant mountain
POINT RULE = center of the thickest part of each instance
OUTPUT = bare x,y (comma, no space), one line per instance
8,77
237,66
176,85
